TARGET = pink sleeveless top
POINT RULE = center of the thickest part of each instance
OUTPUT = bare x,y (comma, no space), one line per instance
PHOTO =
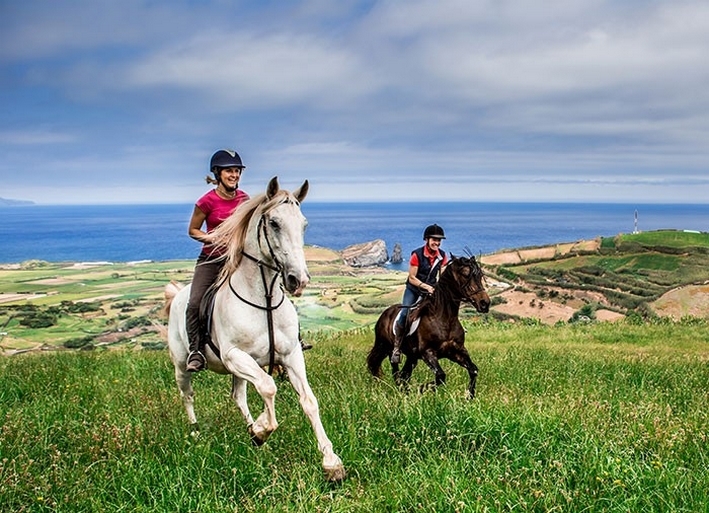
217,210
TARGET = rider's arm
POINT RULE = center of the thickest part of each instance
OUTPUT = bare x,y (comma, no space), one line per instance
413,280
195,227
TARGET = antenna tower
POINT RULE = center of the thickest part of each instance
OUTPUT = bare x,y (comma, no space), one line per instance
635,229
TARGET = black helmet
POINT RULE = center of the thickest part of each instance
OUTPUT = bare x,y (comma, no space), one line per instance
225,158
433,232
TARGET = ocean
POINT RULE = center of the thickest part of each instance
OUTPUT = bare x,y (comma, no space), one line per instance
127,233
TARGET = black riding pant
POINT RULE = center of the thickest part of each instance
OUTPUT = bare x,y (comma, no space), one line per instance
205,274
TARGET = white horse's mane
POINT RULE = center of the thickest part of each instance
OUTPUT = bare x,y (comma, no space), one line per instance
229,237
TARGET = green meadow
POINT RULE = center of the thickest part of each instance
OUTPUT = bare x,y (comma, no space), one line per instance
574,417
571,417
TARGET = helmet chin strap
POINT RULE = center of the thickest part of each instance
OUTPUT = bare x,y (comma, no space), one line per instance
226,187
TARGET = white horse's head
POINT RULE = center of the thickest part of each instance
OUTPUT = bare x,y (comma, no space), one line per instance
268,229
280,230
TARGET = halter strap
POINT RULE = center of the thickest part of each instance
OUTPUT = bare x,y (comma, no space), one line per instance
269,308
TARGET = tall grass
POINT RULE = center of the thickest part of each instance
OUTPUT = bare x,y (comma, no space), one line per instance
598,417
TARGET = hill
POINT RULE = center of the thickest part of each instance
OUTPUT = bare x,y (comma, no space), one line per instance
84,305
644,274
5,202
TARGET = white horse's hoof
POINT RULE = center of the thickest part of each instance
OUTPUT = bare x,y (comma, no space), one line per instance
257,440
335,474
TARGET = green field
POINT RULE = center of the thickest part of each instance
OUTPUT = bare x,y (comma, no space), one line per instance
594,418
54,305
571,417
629,270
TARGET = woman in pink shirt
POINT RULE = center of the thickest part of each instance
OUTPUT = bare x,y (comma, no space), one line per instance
209,212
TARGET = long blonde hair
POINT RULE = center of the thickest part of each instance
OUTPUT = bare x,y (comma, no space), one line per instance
228,238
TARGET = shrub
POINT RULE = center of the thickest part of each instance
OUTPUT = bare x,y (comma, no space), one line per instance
78,343
137,321
36,320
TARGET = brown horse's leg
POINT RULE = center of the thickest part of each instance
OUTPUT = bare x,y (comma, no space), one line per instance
432,361
402,378
463,359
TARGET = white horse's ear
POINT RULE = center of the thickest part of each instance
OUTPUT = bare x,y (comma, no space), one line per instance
301,192
272,188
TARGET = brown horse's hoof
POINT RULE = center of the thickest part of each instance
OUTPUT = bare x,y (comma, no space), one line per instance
427,387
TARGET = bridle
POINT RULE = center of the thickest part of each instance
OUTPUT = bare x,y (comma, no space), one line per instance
475,271
269,288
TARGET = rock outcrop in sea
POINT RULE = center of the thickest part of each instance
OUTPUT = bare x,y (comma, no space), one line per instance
367,254
396,257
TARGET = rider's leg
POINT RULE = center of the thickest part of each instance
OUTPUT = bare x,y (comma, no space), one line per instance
400,324
205,273
303,344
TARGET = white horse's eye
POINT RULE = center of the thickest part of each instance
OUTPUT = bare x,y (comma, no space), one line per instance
274,224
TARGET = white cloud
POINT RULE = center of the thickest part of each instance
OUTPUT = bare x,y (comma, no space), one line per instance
540,97
245,71
35,137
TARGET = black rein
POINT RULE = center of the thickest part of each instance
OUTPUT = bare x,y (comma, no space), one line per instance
269,308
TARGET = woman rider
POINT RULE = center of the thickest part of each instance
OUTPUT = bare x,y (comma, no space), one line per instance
211,209
425,265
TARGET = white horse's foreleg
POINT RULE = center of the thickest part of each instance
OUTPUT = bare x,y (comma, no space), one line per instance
184,384
241,365
332,464
238,394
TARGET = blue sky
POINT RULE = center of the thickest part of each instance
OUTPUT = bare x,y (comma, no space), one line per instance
434,100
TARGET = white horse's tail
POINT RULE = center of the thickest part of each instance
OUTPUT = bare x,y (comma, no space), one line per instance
171,290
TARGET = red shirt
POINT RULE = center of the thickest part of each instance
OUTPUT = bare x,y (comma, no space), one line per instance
218,209
414,260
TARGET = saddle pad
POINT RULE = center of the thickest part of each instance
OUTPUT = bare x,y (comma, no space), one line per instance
412,328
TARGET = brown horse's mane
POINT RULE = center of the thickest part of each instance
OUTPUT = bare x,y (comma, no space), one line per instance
229,237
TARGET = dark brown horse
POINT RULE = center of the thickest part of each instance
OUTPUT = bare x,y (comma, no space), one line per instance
433,330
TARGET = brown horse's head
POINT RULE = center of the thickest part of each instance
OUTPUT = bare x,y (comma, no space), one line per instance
466,277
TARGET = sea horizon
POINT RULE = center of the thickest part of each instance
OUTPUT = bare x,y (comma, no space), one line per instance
158,232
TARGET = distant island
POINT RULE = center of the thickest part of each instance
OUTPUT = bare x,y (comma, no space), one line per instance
4,202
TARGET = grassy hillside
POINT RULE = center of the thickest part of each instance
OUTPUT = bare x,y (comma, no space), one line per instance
595,418
630,271
68,305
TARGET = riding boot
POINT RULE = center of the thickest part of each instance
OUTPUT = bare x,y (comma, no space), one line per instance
303,344
195,360
395,357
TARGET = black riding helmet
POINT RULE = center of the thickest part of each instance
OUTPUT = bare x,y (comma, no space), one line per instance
225,158
433,232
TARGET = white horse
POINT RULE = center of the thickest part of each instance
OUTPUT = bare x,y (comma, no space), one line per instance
254,323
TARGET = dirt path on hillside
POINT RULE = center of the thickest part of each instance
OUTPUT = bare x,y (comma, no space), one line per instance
520,256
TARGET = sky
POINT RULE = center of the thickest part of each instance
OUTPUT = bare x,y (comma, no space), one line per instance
399,100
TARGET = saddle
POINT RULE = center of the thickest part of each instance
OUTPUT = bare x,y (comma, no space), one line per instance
412,319
206,310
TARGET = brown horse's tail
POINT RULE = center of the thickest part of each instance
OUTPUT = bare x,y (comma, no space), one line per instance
382,346
374,360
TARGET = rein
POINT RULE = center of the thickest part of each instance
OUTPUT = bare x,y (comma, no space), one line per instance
269,308
470,279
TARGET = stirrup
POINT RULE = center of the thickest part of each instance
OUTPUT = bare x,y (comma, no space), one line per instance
196,362
304,345
395,356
